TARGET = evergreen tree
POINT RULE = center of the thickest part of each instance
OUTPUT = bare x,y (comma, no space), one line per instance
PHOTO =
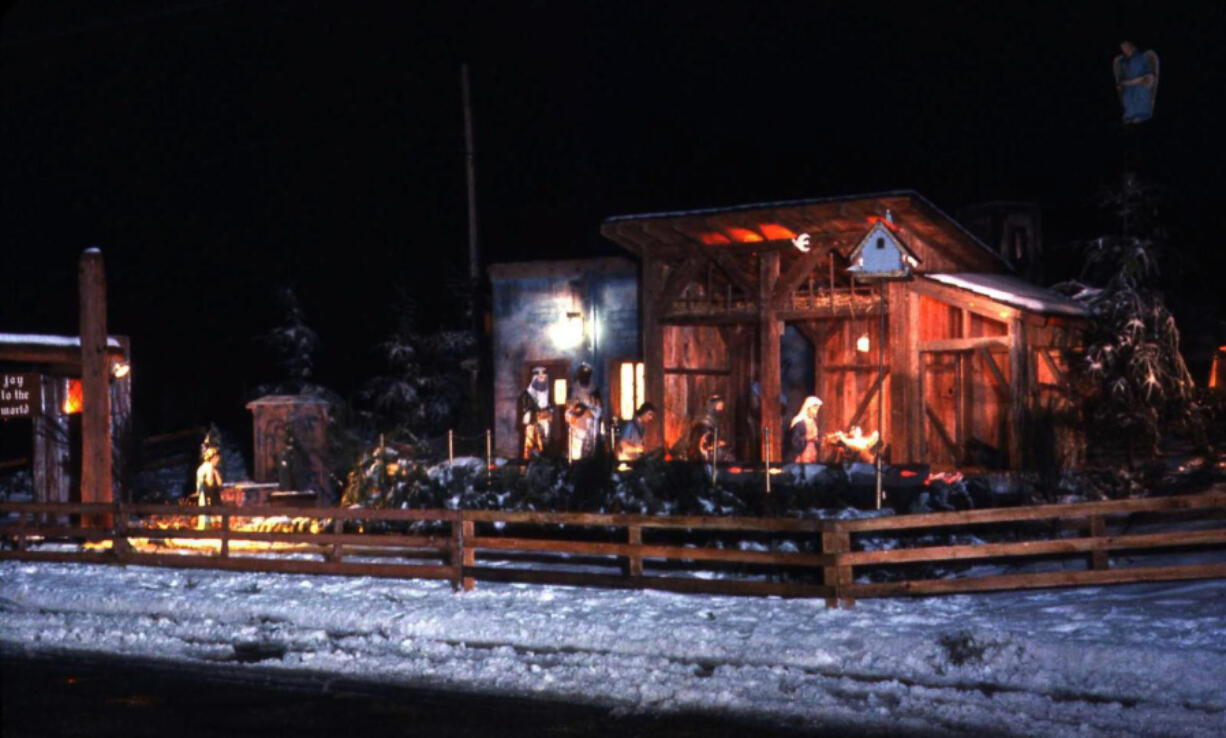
294,344
1131,360
429,378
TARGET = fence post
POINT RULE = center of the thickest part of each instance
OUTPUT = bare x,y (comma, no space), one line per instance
766,455
21,535
455,553
338,527
119,541
1098,529
634,562
468,555
225,533
489,455
835,575
450,448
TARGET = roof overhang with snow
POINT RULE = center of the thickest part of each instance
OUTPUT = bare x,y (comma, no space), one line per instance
1013,291
62,352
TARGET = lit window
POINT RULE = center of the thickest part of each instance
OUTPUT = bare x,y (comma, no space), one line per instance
559,391
632,390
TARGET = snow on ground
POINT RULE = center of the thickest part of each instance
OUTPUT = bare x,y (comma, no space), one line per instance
1137,659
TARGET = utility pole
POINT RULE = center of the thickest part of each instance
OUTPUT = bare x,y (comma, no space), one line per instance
483,404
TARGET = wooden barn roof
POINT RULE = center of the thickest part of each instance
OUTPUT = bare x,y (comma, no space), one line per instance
837,222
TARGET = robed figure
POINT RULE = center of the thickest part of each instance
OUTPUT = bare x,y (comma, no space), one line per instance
535,413
805,432
1136,81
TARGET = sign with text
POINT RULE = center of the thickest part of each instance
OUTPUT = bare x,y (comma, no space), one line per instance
19,395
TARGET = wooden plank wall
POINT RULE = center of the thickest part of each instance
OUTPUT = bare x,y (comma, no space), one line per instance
697,365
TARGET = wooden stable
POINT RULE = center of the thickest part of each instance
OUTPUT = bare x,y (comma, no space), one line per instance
973,355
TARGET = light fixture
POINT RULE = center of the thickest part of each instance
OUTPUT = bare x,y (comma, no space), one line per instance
863,344
567,332
120,369
559,391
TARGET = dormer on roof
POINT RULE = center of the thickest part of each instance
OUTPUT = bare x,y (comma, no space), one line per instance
881,255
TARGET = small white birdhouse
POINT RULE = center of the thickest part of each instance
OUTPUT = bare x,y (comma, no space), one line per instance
880,255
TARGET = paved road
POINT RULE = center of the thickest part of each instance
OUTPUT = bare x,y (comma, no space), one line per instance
94,696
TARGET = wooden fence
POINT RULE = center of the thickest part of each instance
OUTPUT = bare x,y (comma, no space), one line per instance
838,560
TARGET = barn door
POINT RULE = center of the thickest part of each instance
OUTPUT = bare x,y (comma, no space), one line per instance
943,400
966,403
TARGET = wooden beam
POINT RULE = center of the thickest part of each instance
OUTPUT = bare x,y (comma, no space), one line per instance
700,371
95,375
1037,580
799,271
1019,376
1002,385
678,278
943,432
862,407
965,344
653,345
732,317
724,261
769,331
1057,371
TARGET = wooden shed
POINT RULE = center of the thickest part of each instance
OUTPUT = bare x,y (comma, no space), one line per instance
48,411
973,353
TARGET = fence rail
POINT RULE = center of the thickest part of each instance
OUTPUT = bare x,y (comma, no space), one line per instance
839,560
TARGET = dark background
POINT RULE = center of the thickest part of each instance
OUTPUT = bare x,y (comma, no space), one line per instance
217,150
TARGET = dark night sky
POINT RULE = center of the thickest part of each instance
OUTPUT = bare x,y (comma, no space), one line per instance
215,150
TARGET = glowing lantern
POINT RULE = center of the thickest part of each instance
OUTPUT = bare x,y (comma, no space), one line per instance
120,369
863,344
74,397
559,391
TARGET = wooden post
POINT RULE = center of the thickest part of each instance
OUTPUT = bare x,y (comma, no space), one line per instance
836,577
769,333
489,455
468,556
653,346
455,554
1019,383
766,451
338,527
450,448
634,564
119,540
1098,529
95,376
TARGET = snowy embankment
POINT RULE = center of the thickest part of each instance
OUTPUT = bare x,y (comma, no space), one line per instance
1115,661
